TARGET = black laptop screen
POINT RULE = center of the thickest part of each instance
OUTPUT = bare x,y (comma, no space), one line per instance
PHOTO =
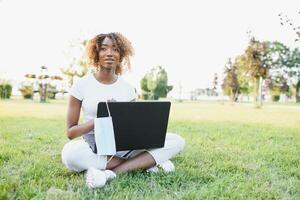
137,125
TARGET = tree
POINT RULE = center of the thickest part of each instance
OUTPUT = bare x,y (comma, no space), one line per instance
285,20
215,84
77,64
155,84
46,85
298,91
243,77
5,89
294,71
144,87
230,84
285,70
277,77
257,63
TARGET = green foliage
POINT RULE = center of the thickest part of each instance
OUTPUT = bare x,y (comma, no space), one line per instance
74,69
26,91
256,59
5,89
51,91
275,94
145,90
298,91
78,65
155,84
273,61
230,84
243,77
277,79
294,71
257,64
280,55
285,66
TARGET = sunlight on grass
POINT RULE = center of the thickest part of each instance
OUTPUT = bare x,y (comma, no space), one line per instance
231,152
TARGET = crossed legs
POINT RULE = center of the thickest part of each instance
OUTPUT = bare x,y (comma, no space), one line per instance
77,156
140,162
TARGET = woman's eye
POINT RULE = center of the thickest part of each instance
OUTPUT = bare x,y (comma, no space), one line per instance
103,49
115,49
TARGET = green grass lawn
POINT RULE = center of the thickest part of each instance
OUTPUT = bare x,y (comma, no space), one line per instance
231,152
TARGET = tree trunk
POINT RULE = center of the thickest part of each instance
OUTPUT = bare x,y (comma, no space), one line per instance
256,91
32,93
260,92
298,92
232,96
43,93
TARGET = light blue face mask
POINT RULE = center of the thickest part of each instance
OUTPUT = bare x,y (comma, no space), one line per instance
104,135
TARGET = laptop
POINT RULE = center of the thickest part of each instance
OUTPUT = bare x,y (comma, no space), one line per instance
137,125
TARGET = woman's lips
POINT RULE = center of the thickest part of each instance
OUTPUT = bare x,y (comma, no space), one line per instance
109,59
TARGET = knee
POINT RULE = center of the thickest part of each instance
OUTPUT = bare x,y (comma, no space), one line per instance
178,141
68,157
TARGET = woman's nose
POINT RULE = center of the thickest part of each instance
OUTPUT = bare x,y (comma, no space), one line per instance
109,52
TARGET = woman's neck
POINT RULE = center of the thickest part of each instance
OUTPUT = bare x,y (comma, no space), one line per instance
106,76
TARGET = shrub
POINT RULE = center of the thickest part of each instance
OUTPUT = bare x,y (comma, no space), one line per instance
275,94
275,98
51,91
5,90
27,91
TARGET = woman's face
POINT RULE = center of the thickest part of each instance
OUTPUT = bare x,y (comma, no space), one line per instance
109,55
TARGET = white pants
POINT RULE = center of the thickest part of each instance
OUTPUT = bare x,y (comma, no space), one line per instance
78,156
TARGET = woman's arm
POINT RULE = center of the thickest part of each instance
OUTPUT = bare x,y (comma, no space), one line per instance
73,129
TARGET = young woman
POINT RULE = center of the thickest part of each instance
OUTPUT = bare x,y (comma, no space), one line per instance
110,55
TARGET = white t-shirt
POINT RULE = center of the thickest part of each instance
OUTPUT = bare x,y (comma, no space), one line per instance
90,91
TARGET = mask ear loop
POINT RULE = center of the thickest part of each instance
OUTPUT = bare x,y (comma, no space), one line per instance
108,109
109,116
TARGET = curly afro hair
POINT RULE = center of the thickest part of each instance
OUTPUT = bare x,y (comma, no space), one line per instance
121,42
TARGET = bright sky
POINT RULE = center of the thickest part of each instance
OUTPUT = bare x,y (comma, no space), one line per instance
192,40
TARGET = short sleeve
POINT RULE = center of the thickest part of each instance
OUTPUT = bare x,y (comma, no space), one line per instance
76,90
132,94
